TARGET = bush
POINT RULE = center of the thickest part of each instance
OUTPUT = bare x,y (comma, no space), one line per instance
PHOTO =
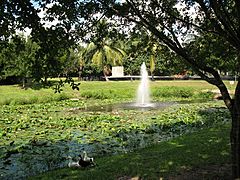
106,94
204,95
173,92
181,92
34,99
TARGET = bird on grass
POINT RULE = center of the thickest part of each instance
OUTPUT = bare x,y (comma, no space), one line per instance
73,163
84,161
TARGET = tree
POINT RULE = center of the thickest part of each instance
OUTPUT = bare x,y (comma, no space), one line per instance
214,51
152,64
81,61
69,63
141,46
152,50
52,38
18,59
104,55
103,50
170,21
169,63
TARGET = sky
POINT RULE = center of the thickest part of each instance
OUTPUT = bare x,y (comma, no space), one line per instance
27,31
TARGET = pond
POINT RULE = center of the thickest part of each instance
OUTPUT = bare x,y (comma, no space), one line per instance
133,106
125,106
59,134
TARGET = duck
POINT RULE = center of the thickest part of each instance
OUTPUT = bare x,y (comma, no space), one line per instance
85,161
72,163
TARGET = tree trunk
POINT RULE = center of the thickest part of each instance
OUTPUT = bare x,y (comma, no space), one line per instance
235,134
106,78
235,144
45,80
23,83
152,76
105,71
80,70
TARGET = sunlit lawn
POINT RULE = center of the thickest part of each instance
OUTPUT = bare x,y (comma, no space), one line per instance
14,94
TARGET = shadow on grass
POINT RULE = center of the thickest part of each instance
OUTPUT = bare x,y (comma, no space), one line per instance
186,153
42,85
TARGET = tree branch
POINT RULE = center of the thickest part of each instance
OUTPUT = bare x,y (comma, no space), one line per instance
232,36
220,31
237,7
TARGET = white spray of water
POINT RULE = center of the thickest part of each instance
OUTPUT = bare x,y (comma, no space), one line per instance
143,95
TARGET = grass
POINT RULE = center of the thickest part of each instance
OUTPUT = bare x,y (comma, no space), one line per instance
14,95
203,148
121,90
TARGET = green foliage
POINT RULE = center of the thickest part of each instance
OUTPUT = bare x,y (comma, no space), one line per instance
171,92
18,59
103,55
132,65
107,94
162,18
208,49
143,47
128,131
103,51
68,80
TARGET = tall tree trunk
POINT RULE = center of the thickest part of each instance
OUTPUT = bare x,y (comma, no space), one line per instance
106,78
152,76
235,145
105,72
235,134
45,80
80,70
23,82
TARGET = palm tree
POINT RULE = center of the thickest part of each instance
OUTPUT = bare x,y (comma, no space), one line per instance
104,54
153,51
81,61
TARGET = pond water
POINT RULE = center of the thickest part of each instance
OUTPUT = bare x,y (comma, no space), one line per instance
125,106
133,106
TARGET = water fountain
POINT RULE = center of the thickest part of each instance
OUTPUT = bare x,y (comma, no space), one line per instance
143,94
142,101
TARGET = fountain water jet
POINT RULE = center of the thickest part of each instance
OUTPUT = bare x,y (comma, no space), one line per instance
142,101
143,95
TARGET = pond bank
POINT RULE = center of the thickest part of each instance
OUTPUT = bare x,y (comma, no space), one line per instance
202,153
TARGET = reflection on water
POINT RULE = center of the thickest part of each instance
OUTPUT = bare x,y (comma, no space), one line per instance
127,106
133,106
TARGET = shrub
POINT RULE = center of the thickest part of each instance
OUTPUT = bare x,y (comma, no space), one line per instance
178,92
106,94
204,95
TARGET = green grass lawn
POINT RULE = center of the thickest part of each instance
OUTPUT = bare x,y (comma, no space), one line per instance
123,90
